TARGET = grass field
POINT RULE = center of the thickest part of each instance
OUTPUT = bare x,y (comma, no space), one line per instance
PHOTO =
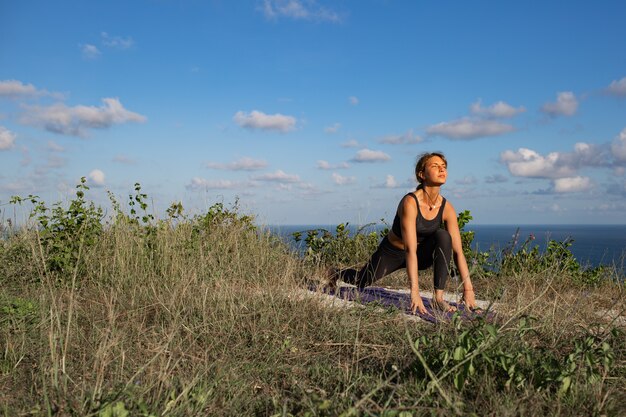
201,316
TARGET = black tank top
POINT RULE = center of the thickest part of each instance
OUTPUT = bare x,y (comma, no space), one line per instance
423,227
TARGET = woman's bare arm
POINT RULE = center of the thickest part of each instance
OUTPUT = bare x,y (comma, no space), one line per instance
408,216
452,226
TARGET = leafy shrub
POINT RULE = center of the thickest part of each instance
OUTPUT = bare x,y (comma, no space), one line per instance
512,358
340,249
64,231
530,259
219,216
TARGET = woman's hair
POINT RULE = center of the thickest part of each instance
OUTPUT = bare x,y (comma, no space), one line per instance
421,163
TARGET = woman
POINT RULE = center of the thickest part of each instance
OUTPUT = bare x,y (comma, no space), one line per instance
417,241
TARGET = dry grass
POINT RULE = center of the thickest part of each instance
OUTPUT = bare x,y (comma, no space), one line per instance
181,323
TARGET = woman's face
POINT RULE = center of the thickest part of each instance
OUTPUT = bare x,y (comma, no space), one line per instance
435,171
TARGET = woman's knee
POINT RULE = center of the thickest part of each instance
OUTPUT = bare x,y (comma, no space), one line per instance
443,239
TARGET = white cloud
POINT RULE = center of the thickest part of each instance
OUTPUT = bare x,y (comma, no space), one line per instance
528,163
566,105
586,155
198,183
90,51
117,42
406,138
390,182
243,164
278,176
7,139
617,88
352,143
15,88
96,178
341,180
353,100
298,10
618,147
367,155
309,190
262,121
334,128
572,184
75,121
469,129
325,165
498,110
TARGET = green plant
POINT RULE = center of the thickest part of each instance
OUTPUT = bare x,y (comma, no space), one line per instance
529,258
62,230
219,216
16,310
511,357
467,237
341,248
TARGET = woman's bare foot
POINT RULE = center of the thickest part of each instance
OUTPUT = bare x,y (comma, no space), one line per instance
442,305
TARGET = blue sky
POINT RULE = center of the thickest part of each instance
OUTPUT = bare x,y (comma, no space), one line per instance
313,111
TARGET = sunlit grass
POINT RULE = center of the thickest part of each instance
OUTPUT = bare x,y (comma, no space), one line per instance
206,316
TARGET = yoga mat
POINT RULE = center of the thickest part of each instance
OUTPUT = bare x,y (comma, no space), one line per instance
401,301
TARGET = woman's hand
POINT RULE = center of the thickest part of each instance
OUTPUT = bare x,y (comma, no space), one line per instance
417,305
469,299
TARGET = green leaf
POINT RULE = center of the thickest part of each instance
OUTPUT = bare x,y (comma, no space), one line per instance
459,380
565,385
459,353
492,330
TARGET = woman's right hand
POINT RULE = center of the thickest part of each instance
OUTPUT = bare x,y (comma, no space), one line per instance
417,305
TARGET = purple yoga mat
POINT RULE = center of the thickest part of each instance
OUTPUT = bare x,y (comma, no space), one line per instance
401,301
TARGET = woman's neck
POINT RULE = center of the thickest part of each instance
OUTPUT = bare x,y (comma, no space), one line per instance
431,190
430,196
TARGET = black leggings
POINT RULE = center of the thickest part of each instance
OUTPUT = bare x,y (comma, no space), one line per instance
435,250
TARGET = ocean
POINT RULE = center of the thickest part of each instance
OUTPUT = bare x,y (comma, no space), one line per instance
592,245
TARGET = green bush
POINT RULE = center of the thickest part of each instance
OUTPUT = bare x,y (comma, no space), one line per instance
64,232
557,255
513,357
339,249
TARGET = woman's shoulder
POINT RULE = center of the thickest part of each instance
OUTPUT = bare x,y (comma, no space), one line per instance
408,202
409,198
448,207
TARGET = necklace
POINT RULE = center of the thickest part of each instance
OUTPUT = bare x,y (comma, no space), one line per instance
431,204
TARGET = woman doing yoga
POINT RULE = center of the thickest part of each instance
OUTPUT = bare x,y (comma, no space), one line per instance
417,241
